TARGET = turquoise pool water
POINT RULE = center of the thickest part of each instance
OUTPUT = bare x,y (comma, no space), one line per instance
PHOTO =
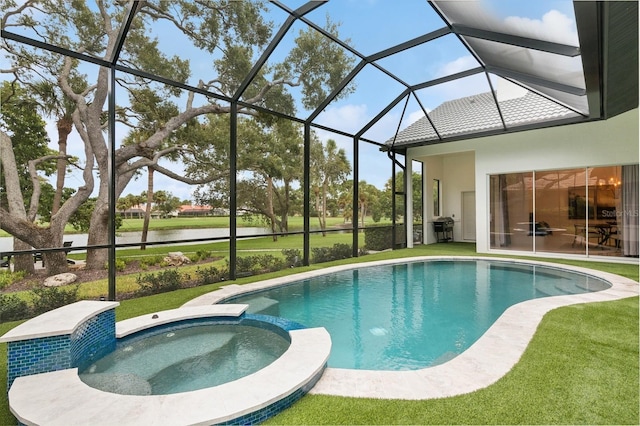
184,358
414,315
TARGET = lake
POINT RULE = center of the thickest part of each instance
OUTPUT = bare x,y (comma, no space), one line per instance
6,243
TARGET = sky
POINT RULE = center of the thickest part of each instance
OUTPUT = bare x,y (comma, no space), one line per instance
371,26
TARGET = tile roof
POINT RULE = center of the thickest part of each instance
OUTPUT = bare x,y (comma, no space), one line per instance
478,113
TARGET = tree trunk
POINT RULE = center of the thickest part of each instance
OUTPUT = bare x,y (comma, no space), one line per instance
98,235
22,262
55,262
363,212
285,213
64,126
318,208
272,216
147,210
324,208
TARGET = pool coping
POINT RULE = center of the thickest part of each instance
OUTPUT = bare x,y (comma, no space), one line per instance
58,321
61,398
484,363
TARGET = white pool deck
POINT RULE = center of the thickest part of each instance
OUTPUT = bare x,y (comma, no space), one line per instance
486,361
54,398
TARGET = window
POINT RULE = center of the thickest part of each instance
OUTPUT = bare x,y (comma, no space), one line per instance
436,197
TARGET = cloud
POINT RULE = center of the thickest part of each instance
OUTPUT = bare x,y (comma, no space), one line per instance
375,167
554,26
348,118
462,63
415,116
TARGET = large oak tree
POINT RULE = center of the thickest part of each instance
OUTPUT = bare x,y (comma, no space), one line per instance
231,33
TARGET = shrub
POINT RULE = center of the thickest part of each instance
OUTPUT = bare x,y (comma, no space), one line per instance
257,264
211,275
160,282
378,239
120,265
7,278
327,254
270,263
12,308
341,251
48,298
202,255
292,257
147,261
320,254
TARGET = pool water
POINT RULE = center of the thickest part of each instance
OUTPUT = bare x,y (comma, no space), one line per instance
181,359
413,315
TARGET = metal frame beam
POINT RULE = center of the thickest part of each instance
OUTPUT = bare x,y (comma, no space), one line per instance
528,78
514,40
589,24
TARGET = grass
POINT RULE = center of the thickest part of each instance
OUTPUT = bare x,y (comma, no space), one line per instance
580,368
129,225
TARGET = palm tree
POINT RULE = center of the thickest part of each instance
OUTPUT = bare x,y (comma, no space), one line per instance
52,102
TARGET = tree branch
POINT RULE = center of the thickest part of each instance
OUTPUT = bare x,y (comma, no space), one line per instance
7,15
149,162
190,181
269,86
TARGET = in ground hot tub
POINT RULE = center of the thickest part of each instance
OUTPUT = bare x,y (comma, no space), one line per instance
58,396
188,355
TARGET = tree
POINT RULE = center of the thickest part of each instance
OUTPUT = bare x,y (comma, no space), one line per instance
416,196
345,200
128,202
235,30
52,101
329,169
165,202
269,164
23,150
368,201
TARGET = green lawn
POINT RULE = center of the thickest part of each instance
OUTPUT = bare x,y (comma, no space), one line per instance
295,223
580,368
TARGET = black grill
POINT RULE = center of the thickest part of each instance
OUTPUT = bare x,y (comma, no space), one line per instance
443,227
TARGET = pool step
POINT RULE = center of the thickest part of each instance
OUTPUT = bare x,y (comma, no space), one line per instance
136,361
263,305
121,383
557,287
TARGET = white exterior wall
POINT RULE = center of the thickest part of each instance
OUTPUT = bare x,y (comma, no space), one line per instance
456,175
599,143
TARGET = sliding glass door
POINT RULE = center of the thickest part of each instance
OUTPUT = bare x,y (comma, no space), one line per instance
587,211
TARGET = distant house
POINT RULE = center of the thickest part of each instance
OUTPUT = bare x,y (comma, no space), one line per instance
132,213
189,210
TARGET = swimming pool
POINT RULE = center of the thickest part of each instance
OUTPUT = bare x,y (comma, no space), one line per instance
185,357
413,315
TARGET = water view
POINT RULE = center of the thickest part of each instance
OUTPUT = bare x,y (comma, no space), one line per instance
6,243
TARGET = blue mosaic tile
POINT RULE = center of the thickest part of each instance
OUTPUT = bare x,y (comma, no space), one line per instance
40,355
91,340
283,323
271,410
